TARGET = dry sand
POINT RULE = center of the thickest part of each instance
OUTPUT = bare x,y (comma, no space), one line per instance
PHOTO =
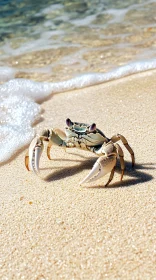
55,229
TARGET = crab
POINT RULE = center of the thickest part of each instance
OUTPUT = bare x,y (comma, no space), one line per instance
86,137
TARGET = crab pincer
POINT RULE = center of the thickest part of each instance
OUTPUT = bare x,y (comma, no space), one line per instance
104,164
33,155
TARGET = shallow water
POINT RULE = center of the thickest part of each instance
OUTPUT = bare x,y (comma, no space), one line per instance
66,45
62,39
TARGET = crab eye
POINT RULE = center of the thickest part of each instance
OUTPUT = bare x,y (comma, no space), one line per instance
92,127
69,122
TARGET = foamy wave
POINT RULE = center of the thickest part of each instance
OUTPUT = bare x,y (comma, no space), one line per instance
19,110
17,114
6,73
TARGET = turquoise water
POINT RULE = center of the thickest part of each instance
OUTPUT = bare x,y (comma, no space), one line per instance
23,18
81,36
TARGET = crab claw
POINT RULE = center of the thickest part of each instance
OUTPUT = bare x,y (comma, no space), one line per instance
57,137
102,166
35,151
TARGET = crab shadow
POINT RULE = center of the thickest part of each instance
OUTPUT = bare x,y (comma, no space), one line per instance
138,174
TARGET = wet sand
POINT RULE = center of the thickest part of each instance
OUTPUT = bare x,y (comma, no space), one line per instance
52,228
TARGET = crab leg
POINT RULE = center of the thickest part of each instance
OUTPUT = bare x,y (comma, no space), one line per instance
121,155
102,166
48,149
118,137
27,161
110,177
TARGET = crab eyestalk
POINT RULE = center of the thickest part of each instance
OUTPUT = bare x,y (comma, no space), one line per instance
69,123
92,127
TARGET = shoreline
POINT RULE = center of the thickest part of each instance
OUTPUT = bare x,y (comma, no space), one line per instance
54,227
31,94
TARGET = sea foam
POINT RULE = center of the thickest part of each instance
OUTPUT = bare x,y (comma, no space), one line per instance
6,73
19,97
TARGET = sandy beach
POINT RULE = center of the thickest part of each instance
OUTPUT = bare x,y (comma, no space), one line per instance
52,228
